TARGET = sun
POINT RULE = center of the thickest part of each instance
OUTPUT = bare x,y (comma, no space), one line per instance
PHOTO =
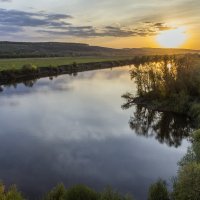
172,38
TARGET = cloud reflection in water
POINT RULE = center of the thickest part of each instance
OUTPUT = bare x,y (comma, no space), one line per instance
73,130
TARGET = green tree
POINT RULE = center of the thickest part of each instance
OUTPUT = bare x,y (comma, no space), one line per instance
158,191
10,194
187,184
81,192
109,194
193,153
57,193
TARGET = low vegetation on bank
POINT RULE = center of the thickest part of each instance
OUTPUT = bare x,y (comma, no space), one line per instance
29,72
24,69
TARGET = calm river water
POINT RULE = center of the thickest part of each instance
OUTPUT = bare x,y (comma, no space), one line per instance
73,130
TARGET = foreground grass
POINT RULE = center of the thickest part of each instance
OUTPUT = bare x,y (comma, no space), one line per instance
10,64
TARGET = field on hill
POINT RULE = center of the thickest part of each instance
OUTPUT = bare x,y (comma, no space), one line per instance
7,64
55,49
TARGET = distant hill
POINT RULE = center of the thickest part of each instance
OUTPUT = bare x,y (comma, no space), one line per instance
56,49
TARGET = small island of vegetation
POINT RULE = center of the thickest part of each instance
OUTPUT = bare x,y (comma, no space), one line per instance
171,84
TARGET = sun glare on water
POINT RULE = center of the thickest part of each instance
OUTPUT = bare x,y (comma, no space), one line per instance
172,38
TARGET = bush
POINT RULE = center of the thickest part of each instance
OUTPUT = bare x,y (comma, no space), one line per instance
57,193
74,64
158,191
194,112
187,184
10,194
193,153
81,192
196,145
29,68
109,194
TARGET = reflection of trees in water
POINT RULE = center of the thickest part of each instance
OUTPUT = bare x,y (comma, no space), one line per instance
165,85
166,127
27,83
30,82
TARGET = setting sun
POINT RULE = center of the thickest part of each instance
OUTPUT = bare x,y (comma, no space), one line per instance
172,38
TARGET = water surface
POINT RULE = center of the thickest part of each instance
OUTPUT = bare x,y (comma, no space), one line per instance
73,130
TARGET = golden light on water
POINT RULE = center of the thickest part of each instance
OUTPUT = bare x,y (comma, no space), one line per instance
172,38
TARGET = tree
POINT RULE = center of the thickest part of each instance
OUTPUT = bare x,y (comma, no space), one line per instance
158,191
57,193
10,194
187,184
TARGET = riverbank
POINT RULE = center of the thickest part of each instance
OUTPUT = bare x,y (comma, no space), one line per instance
154,105
18,63
18,70
29,71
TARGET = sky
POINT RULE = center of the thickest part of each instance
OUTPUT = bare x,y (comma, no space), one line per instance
109,23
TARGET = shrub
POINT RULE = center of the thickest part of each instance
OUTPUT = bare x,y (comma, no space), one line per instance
158,191
194,112
187,184
81,192
74,64
57,193
109,194
29,68
193,153
10,194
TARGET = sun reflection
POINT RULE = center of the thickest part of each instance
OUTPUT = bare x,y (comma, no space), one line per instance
172,38
169,66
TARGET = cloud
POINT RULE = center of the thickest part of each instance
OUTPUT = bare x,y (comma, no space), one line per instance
142,30
58,16
29,19
8,29
14,21
162,26
90,31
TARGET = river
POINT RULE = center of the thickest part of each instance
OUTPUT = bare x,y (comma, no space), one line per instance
73,130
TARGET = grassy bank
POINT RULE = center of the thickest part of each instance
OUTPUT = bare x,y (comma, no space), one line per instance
15,64
30,72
